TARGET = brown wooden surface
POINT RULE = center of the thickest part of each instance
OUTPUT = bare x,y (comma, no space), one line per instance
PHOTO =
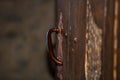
74,15
118,50
74,21
108,44
105,21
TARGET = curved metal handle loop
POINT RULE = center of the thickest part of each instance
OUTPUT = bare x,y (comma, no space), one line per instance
50,47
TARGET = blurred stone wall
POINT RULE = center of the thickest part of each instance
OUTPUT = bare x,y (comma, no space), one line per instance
23,27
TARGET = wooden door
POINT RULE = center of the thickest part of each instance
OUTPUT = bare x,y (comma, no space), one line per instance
88,40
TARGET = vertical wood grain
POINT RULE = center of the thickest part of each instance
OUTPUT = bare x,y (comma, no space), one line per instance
118,49
74,22
103,13
108,44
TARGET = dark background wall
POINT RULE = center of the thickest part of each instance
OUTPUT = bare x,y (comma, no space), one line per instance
23,26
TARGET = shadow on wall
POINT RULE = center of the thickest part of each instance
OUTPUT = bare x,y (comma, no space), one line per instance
23,26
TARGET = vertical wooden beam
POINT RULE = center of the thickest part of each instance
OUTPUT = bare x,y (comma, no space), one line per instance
64,7
118,49
103,13
108,44
74,21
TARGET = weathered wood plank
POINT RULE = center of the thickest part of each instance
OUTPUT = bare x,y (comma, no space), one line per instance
74,21
108,44
103,13
118,49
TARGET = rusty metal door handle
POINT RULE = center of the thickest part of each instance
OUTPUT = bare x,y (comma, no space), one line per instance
50,47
